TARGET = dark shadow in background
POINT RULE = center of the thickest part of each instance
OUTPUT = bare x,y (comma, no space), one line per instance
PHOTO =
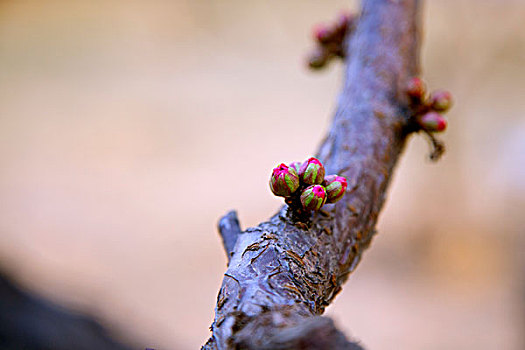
28,322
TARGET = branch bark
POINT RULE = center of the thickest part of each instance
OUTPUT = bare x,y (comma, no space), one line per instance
229,229
282,274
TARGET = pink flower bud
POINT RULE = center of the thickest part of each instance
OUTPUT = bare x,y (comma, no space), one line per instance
312,171
433,121
441,100
295,166
344,21
313,197
284,181
323,34
335,187
416,88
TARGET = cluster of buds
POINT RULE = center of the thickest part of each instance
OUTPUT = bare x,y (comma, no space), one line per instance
428,108
305,186
330,40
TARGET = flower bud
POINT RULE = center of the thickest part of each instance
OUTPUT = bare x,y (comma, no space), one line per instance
416,88
284,181
323,34
313,197
441,100
295,166
312,172
318,59
344,22
433,121
335,187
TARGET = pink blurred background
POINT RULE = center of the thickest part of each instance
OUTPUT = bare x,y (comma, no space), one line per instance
127,128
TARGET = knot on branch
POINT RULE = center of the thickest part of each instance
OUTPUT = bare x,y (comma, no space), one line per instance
426,113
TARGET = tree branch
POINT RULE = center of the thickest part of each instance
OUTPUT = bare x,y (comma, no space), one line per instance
229,229
283,273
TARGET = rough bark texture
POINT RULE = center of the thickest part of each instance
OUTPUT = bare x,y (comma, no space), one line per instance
283,273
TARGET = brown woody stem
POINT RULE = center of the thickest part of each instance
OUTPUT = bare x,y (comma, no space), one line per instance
282,275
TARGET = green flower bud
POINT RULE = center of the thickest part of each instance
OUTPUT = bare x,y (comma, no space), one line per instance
295,166
433,122
284,181
318,59
313,197
441,100
335,187
312,172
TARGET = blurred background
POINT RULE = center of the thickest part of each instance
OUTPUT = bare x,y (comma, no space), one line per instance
127,128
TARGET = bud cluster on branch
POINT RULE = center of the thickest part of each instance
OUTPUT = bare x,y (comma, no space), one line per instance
427,111
330,40
428,108
305,186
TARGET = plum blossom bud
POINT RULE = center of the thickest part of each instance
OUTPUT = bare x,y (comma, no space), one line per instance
284,181
323,34
295,166
433,121
312,171
344,22
441,100
416,88
313,197
335,187
318,59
